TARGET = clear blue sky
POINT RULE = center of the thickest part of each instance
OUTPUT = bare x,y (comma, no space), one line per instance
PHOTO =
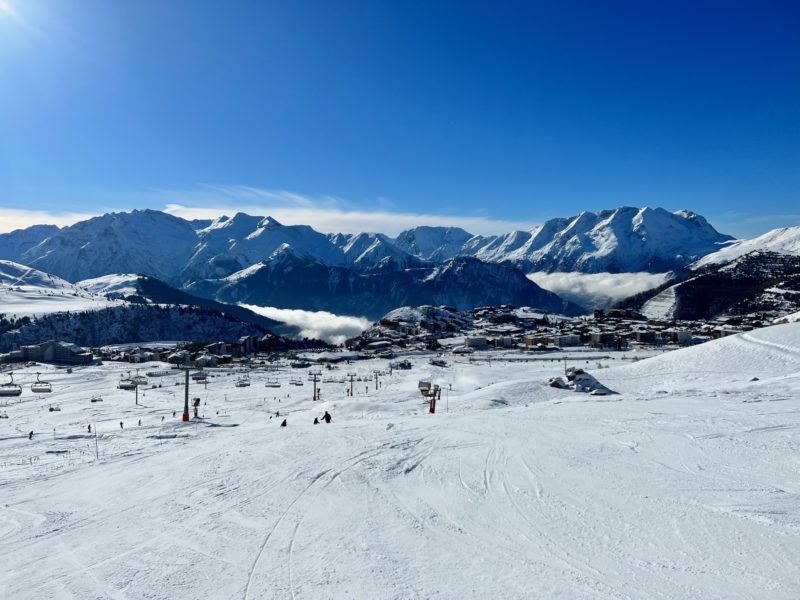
510,111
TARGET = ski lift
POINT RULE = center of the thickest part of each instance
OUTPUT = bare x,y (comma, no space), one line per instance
96,399
272,383
55,408
10,389
295,381
243,381
127,384
41,387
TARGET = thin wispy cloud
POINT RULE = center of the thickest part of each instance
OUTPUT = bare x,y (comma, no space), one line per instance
327,213
352,221
17,218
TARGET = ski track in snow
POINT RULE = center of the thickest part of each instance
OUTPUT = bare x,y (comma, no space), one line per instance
682,486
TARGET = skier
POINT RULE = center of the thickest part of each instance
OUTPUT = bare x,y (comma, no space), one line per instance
316,421
120,424
90,428
277,413
140,422
283,423
327,417
30,435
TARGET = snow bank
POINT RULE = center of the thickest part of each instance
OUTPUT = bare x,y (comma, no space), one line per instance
727,363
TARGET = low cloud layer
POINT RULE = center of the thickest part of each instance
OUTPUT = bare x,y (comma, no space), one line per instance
320,324
597,290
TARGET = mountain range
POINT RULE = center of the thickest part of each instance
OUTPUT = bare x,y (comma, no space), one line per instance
256,259
154,243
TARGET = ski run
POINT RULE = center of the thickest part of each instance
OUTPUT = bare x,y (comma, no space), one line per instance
683,484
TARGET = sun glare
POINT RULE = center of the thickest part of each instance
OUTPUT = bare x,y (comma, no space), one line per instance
8,10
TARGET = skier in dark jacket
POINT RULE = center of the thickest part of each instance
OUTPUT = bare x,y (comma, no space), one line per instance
283,424
327,417
30,435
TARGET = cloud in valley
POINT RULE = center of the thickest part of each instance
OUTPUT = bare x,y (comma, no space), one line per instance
597,290
315,324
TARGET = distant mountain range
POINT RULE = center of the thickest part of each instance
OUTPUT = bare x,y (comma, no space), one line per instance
259,260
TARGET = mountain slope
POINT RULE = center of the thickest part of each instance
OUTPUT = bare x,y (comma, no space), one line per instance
758,282
758,275
15,243
143,241
784,240
435,244
26,291
144,289
230,245
289,280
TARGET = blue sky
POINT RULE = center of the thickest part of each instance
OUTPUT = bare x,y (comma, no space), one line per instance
367,114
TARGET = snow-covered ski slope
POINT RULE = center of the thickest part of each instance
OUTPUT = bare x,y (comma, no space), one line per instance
684,485
28,292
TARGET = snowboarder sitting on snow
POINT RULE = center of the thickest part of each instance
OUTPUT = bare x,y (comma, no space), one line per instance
283,424
316,421
326,417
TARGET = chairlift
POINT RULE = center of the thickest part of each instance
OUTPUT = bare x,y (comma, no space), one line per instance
272,383
41,387
243,381
10,389
127,384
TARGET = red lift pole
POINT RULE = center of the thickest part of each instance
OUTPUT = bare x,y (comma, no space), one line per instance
186,397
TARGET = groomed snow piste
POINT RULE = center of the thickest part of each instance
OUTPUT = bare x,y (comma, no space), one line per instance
683,485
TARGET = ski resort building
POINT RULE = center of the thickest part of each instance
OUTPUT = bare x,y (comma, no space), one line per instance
56,352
